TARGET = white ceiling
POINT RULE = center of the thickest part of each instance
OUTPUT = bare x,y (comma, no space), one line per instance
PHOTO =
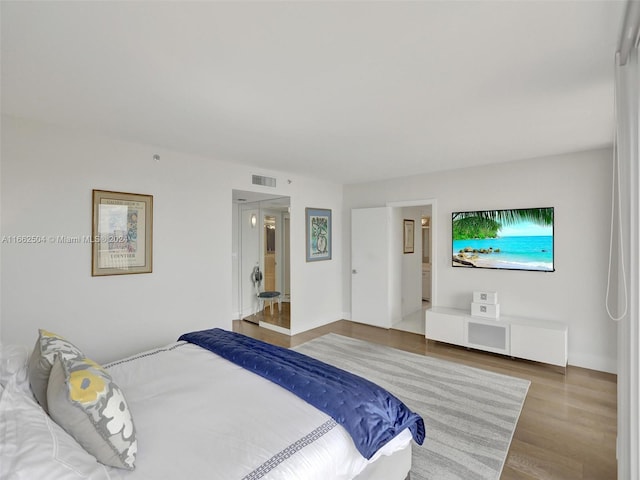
344,91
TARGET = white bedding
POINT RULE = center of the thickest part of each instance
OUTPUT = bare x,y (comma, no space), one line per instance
197,416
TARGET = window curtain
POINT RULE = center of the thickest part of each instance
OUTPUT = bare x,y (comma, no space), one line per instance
626,248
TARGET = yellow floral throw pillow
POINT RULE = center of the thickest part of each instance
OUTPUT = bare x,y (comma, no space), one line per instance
84,400
48,345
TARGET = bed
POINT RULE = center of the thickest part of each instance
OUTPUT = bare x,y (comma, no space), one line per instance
197,413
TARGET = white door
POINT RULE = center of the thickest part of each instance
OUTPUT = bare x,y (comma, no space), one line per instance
370,266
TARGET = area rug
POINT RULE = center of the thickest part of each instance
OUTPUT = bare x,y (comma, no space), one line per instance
470,414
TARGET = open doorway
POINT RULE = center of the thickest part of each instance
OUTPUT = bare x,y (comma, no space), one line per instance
425,224
418,269
261,266
387,269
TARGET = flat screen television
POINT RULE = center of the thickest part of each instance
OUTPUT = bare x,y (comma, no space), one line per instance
510,239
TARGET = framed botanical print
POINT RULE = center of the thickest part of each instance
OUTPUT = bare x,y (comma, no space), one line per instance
318,234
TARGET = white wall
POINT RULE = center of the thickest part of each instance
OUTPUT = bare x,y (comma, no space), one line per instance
235,258
47,177
1,228
578,186
316,287
395,266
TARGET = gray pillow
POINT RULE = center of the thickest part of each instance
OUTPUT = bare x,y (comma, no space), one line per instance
48,345
84,400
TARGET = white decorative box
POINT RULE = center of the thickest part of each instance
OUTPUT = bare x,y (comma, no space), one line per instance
489,310
488,298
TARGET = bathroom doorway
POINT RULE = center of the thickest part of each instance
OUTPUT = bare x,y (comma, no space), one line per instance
420,267
425,222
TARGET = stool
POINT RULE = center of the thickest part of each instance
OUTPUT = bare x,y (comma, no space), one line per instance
270,297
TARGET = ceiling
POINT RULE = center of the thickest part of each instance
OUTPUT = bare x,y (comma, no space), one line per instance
344,91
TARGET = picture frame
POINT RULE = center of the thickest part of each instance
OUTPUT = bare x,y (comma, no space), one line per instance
318,234
122,233
408,236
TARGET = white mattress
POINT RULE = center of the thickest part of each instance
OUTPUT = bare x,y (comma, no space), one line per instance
197,416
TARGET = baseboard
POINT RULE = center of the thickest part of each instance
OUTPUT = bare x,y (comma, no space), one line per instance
593,362
275,328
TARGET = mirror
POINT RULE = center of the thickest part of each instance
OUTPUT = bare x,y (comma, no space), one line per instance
261,237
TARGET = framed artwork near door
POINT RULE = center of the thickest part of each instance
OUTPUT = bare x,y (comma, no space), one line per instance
408,236
121,234
318,234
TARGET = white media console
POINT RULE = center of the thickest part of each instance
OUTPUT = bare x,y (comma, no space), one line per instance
539,340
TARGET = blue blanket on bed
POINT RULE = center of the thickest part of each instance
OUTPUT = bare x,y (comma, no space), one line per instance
370,414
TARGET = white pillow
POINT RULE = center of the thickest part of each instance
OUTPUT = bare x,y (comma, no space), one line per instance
13,363
34,447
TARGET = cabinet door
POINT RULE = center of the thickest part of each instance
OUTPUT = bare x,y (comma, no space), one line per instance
444,328
539,344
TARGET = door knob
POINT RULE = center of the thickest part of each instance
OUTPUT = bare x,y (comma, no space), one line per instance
354,271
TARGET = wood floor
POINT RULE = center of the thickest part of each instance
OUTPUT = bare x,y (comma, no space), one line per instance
567,429
279,315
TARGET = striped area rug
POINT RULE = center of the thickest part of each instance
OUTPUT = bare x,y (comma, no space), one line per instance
470,414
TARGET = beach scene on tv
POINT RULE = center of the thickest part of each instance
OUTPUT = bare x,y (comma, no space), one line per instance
517,239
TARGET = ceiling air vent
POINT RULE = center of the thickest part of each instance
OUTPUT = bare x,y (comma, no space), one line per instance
264,181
